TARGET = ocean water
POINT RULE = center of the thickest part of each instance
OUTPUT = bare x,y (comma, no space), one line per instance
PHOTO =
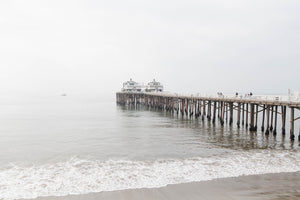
56,145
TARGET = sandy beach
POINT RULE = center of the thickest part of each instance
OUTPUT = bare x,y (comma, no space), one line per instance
268,186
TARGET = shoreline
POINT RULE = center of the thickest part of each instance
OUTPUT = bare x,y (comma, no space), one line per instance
277,186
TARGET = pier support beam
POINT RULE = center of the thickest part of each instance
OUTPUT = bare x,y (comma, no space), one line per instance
230,113
204,107
238,115
186,107
283,116
222,114
247,113
219,108
191,108
209,110
195,108
272,111
275,121
263,119
214,112
182,107
173,105
243,114
292,136
203,111
198,108
252,128
256,117
226,110
177,106
268,116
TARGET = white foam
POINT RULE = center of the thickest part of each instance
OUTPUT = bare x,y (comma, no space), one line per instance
81,176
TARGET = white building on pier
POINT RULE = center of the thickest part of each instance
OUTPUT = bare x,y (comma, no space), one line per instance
131,86
154,86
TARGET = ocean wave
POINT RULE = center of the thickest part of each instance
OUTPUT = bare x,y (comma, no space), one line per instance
81,176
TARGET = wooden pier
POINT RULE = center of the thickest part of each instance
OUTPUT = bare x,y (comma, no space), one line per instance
219,107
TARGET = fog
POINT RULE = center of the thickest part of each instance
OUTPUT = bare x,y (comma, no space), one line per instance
91,46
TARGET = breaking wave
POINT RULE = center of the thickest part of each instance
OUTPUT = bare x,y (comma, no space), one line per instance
81,176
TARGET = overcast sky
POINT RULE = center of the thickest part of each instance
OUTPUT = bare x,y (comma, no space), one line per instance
88,46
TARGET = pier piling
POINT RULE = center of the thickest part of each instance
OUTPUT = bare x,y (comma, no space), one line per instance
283,115
268,116
214,112
292,136
252,128
272,111
247,112
256,118
243,121
231,113
203,111
263,119
238,115
223,112
275,119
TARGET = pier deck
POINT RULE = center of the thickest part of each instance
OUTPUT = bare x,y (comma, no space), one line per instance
219,106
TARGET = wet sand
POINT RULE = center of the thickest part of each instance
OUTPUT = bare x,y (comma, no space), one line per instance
268,186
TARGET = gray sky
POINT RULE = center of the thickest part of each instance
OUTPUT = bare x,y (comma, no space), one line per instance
88,46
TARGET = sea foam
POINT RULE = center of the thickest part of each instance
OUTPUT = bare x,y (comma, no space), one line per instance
81,176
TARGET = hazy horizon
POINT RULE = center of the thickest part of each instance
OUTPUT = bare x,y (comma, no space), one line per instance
192,46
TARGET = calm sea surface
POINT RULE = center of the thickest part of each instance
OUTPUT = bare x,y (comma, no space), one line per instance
61,145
